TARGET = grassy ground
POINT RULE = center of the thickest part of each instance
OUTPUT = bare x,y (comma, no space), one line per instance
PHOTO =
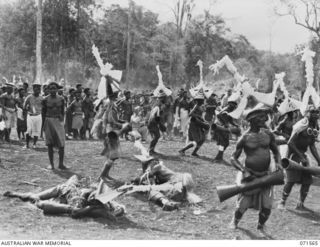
20,220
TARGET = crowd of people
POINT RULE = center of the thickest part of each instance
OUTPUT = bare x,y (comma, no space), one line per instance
25,110
196,116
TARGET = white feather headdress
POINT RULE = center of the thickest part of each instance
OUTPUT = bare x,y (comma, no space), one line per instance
161,88
201,89
106,69
226,61
307,57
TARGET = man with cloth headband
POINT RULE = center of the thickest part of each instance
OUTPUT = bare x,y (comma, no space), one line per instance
256,143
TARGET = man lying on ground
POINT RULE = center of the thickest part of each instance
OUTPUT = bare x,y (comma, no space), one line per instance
162,185
73,198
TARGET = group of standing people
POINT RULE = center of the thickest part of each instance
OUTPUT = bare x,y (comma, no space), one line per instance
60,117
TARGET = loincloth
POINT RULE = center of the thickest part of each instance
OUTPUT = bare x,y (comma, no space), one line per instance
256,199
54,132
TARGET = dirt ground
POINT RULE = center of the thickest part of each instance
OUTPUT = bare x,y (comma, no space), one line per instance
21,220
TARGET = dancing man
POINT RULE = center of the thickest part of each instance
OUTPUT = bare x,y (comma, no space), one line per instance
113,127
155,122
256,143
197,126
303,137
223,127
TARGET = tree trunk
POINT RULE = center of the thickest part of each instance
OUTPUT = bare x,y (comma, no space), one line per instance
170,67
128,43
78,26
39,43
60,61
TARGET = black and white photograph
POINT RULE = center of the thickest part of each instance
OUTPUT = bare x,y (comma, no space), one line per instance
159,120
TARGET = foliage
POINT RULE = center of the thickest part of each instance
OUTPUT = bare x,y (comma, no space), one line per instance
70,27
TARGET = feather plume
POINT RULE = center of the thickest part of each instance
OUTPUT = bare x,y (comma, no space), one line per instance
236,114
305,100
5,79
106,69
161,85
258,84
279,81
226,61
96,54
288,105
159,76
315,98
202,87
307,57
200,65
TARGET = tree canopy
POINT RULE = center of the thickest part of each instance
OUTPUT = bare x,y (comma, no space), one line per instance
71,27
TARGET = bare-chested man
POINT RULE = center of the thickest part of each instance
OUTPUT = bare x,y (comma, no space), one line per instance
222,135
9,110
113,127
33,105
256,143
53,111
197,126
156,121
303,137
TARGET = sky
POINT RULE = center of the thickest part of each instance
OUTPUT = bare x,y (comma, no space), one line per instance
253,18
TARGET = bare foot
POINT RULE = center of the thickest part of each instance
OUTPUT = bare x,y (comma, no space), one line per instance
300,206
63,167
260,227
217,160
281,206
